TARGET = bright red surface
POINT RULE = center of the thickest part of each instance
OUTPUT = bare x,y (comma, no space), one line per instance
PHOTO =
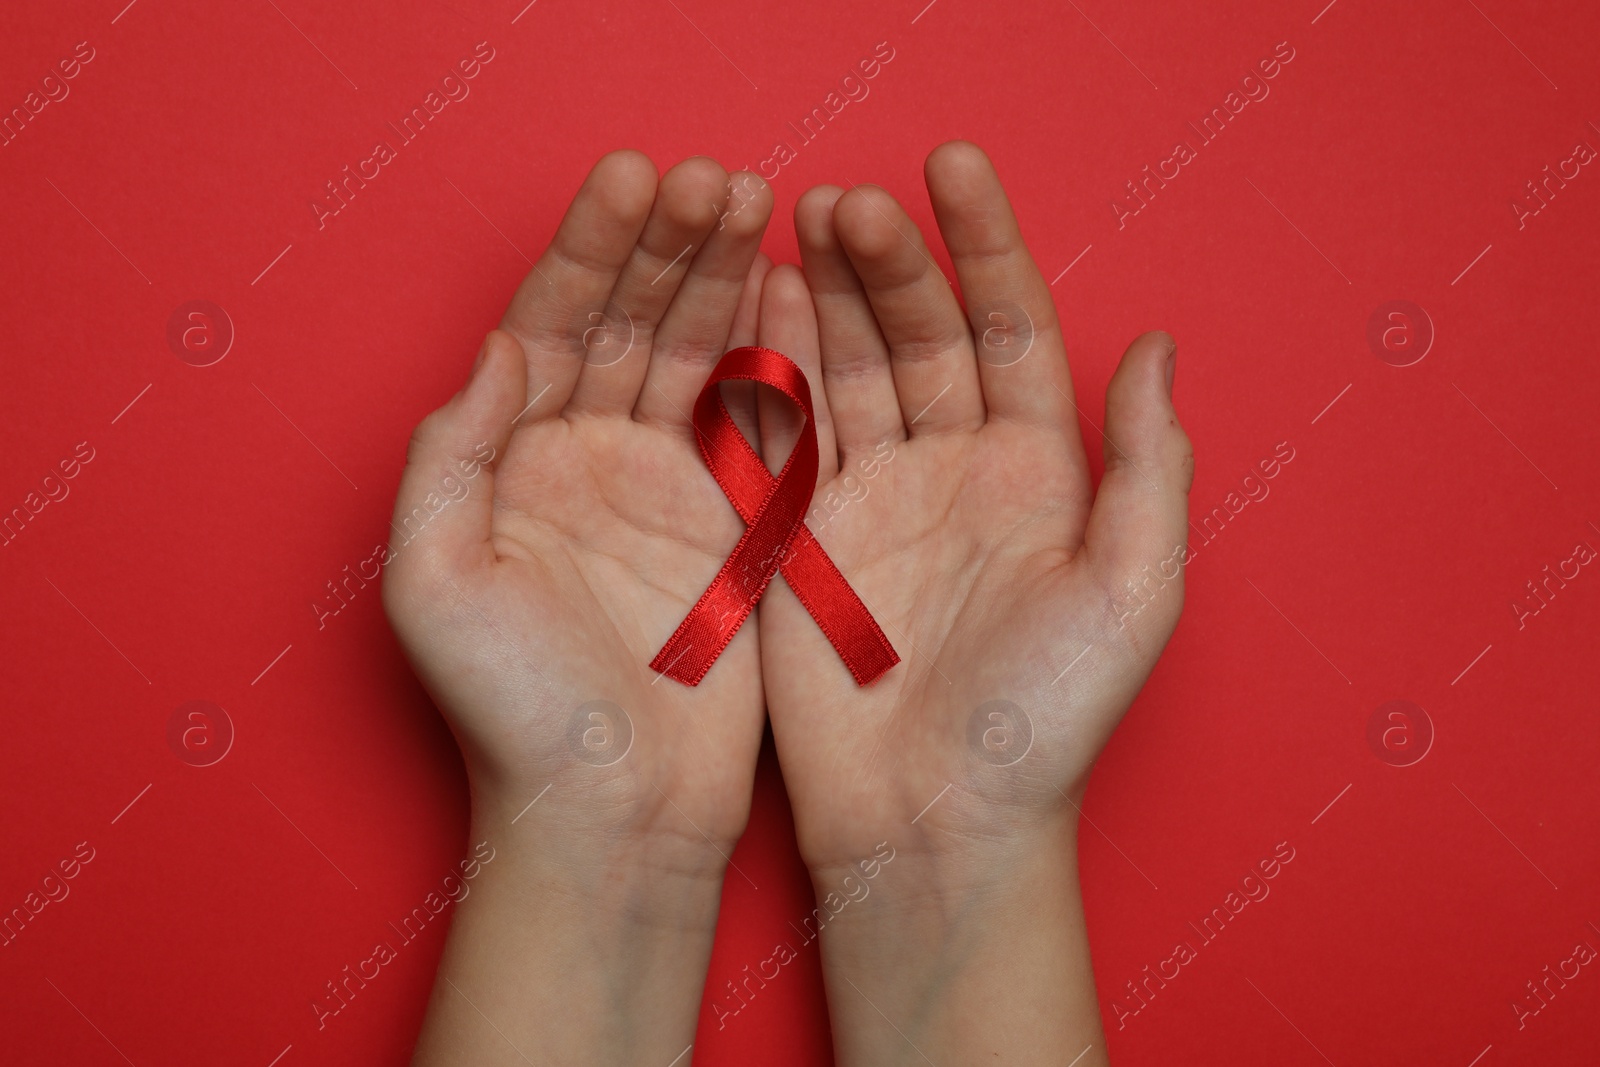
1382,564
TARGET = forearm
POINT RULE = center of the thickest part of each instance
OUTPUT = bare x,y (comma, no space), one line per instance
566,957
977,960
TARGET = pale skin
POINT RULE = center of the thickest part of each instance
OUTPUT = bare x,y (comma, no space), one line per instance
981,547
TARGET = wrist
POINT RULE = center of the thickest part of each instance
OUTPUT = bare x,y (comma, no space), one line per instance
960,953
940,883
583,850
963,842
602,797
568,955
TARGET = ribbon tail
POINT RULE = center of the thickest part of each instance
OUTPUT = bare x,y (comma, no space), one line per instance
839,611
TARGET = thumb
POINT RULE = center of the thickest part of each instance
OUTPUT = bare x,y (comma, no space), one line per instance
442,511
1138,530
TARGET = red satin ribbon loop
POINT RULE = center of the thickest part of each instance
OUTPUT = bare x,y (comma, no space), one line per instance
775,539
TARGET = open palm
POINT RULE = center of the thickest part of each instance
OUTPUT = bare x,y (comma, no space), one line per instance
532,604
956,498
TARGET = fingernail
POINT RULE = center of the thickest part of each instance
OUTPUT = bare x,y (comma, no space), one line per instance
1172,360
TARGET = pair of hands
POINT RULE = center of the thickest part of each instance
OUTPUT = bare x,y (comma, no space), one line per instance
954,494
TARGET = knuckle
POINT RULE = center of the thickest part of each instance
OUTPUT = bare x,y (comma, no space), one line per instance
856,366
695,352
936,344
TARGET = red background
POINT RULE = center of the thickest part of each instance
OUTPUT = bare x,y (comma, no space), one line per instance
1383,564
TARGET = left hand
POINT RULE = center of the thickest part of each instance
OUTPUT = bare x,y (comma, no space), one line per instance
955,496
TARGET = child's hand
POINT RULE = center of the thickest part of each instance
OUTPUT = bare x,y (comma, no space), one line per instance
960,508
531,606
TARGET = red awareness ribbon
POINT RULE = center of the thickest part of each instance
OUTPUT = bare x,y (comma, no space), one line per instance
775,539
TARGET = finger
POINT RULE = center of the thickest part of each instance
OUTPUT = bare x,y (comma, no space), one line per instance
1021,356
789,325
551,310
857,382
740,397
695,332
688,203
930,347
747,314
442,513
1138,529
